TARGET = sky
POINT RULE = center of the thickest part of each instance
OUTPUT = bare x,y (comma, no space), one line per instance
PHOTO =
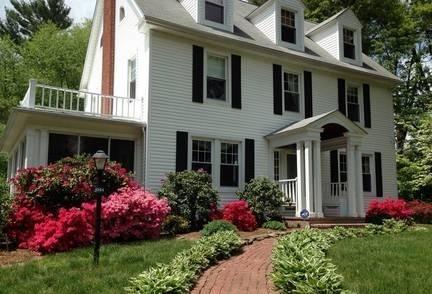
81,9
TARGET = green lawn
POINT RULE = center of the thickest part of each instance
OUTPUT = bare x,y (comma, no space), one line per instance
386,264
73,272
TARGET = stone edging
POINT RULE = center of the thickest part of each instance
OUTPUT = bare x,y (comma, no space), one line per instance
251,240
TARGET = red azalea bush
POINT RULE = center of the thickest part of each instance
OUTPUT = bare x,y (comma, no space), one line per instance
239,214
422,211
387,209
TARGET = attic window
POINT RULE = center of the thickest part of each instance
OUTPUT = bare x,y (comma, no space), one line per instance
214,11
122,13
288,27
348,41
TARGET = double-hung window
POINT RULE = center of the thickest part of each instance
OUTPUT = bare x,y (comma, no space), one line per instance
216,77
366,172
292,92
343,172
202,155
229,165
348,42
214,11
276,168
353,107
288,26
132,78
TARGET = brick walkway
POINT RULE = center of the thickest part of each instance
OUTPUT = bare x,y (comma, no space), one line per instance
244,273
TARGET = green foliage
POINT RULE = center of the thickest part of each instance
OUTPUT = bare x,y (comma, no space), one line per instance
175,224
217,226
190,195
274,225
179,275
25,17
263,197
5,205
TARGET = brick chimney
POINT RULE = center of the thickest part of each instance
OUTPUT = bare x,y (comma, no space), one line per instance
108,43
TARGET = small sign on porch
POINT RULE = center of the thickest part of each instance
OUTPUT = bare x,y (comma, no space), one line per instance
304,214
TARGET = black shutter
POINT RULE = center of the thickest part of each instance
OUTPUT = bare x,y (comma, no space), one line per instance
236,81
181,151
341,96
277,89
367,106
249,159
198,74
378,174
334,166
308,94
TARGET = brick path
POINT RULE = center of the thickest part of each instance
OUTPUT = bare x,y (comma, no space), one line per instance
244,273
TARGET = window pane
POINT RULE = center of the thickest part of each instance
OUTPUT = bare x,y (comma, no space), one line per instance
292,93
348,40
354,112
367,183
288,34
353,106
23,153
132,78
201,155
229,176
61,146
229,169
288,18
216,83
216,67
292,102
214,12
349,51
276,165
90,145
123,152
216,88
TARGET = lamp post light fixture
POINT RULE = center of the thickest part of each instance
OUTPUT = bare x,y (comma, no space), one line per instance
100,159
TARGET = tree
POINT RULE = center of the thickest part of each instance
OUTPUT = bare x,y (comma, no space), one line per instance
25,18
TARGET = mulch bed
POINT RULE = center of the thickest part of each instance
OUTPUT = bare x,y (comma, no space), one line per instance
17,256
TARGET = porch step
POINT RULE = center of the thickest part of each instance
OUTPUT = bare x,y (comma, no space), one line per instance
326,222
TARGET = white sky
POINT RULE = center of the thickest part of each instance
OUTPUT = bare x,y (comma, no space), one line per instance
80,8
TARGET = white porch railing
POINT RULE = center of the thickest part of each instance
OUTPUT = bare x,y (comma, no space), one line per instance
289,190
73,101
336,190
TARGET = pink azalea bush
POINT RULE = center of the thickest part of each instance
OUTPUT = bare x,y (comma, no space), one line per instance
387,209
239,214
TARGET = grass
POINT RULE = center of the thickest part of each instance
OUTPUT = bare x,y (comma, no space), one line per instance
73,272
386,264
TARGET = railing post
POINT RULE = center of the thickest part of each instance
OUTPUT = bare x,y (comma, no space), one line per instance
32,93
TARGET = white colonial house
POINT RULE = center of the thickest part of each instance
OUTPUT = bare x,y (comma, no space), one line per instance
238,90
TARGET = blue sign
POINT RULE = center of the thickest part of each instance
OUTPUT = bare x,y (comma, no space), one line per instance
304,214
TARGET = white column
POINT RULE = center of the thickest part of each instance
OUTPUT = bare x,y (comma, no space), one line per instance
317,179
309,184
300,179
352,179
359,178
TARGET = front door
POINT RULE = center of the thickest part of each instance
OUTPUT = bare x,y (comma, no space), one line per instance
291,160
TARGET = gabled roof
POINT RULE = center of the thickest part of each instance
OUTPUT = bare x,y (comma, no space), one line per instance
333,19
319,121
263,6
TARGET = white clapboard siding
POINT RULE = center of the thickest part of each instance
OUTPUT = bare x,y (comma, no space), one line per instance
328,39
266,22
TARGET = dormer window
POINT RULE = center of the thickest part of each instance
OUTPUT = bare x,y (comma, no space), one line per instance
288,26
214,11
348,42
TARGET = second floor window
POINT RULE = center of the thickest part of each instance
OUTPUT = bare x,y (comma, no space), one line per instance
216,77
288,27
353,107
132,78
366,171
214,11
349,46
229,168
202,155
291,92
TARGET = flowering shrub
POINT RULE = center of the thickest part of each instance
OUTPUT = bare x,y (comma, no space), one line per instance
239,214
68,182
387,209
130,213
422,211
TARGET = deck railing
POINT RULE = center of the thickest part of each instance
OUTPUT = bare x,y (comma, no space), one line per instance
336,190
289,190
82,102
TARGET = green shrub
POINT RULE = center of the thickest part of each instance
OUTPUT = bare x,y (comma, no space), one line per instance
5,205
217,226
181,273
175,224
190,195
264,198
274,225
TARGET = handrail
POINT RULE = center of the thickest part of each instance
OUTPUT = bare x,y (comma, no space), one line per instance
289,190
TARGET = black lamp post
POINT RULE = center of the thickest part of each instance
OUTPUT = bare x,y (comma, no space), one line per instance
100,159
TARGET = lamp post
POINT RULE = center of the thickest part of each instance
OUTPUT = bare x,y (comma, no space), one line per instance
100,159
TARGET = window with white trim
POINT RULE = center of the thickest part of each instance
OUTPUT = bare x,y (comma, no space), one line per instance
288,26
343,171
348,42
353,106
229,165
276,168
216,77
292,92
202,155
132,78
215,11
366,172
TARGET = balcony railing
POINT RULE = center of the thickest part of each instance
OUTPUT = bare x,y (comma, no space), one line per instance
82,102
289,191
